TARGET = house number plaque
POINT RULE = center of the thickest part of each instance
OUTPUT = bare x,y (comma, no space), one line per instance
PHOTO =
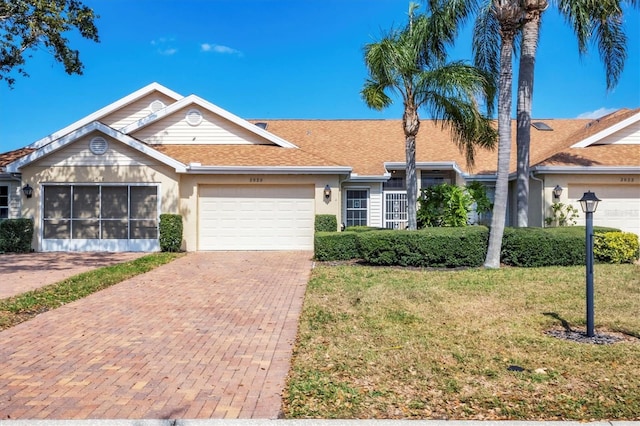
255,180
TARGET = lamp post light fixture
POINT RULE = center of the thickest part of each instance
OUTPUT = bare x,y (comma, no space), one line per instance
557,192
589,204
27,190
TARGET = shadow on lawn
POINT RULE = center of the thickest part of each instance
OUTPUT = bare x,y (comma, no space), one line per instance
564,322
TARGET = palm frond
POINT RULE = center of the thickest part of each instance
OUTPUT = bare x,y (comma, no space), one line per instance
486,42
373,94
611,40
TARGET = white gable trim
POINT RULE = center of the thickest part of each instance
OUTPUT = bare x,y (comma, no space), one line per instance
138,94
88,128
607,132
196,100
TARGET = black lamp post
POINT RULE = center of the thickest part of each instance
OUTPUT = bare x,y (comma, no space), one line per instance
589,204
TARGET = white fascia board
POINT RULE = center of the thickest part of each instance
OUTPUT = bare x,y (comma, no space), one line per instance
91,127
374,178
286,170
105,111
446,165
607,132
196,100
606,170
481,178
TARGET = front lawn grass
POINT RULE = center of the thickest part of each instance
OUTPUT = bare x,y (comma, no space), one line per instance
471,344
23,307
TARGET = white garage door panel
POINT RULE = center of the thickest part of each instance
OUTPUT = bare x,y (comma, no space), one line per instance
236,217
619,208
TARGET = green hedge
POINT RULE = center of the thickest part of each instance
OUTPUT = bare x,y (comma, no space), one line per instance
616,247
431,247
531,247
457,247
336,246
16,235
326,223
170,232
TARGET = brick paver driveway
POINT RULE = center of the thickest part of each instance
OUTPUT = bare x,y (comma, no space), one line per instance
22,272
207,336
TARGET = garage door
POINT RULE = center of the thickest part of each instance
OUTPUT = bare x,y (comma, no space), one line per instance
620,206
240,217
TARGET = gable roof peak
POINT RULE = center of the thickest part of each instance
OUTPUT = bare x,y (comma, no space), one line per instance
96,116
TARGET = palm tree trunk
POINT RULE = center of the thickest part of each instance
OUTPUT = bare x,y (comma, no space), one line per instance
504,141
530,33
411,123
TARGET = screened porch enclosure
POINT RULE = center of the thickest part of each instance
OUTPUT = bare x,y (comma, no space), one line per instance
100,217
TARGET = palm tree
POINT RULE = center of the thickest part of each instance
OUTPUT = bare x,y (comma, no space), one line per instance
411,62
506,17
600,21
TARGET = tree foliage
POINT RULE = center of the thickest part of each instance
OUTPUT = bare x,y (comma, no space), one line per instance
411,63
29,24
450,205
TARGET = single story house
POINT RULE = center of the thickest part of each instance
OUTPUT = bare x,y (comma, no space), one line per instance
101,183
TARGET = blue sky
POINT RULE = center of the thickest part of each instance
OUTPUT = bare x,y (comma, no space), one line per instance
272,59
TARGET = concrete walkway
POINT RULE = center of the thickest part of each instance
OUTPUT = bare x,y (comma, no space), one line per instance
23,272
207,336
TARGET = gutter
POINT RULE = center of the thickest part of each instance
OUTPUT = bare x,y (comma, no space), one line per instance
195,168
613,170
354,177
446,165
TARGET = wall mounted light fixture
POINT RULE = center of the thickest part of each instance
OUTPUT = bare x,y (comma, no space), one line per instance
27,190
557,192
327,192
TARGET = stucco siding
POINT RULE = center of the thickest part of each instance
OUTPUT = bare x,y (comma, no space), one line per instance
620,194
189,195
79,154
135,110
37,176
213,129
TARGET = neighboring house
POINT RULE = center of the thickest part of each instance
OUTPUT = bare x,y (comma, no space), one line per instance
102,182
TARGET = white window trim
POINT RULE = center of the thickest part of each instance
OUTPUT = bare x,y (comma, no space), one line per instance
357,188
104,245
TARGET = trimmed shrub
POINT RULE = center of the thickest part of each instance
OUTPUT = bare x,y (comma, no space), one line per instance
432,247
365,229
336,246
16,235
326,223
170,232
616,247
533,247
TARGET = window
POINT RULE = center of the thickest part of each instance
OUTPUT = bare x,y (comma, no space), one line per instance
357,207
396,182
100,212
4,202
429,178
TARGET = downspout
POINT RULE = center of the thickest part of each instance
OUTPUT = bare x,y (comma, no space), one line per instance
544,198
